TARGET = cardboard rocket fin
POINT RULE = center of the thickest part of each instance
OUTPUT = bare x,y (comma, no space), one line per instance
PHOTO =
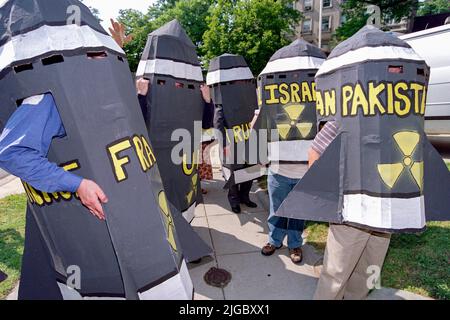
436,185
317,196
3,276
193,247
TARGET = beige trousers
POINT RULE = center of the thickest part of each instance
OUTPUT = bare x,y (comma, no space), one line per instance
349,253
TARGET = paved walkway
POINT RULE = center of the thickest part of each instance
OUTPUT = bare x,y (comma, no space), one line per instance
237,241
10,185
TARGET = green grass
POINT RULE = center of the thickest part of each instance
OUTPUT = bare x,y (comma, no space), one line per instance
415,263
317,234
12,232
448,165
262,182
420,263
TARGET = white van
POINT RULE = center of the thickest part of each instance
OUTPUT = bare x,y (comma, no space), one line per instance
434,46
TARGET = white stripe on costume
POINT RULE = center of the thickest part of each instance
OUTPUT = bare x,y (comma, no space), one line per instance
171,68
48,39
384,213
292,64
227,75
367,54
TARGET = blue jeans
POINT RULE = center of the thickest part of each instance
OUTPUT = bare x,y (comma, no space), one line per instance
279,188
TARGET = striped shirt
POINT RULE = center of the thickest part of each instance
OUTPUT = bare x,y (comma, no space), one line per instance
325,137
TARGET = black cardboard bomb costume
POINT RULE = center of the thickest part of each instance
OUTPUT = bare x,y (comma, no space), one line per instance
286,95
233,91
171,64
380,172
135,254
3,276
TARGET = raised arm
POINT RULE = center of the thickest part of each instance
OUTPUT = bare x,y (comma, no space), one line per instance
323,139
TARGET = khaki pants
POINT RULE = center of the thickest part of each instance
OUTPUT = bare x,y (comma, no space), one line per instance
349,253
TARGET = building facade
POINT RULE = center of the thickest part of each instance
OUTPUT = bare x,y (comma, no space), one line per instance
309,26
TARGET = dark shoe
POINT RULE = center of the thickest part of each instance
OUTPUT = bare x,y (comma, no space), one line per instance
250,204
236,209
296,255
204,191
269,249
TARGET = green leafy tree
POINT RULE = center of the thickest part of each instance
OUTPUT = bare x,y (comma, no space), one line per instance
139,25
159,7
395,9
220,26
95,12
433,7
356,16
254,29
192,15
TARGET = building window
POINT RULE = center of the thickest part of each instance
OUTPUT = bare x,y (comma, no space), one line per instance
326,23
308,5
327,3
307,26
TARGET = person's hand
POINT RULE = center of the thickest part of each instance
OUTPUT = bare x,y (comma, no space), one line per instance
205,93
255,118
313,156
118,33
92,197
142,86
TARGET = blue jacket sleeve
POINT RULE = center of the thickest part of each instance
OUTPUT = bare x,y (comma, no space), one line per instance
25,142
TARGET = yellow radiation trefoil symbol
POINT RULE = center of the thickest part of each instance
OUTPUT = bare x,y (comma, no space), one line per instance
407,142
189,170
167,216
190,196
294,112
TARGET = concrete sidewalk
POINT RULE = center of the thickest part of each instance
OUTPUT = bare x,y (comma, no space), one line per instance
9,185
237,241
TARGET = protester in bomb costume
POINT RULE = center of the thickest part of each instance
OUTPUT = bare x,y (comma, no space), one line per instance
70,111
286,94
175,104
234,95
383,175
170,62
